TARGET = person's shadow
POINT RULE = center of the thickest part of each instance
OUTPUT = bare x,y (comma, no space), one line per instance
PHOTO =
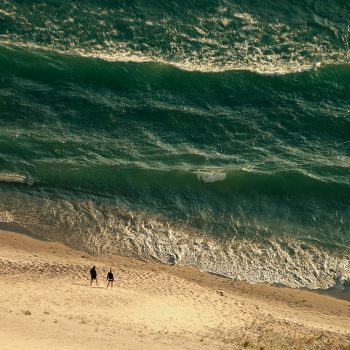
86,285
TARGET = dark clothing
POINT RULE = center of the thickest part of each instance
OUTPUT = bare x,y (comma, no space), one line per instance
110,276
93,274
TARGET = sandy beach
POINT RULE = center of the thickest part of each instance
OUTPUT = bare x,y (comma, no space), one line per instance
47,303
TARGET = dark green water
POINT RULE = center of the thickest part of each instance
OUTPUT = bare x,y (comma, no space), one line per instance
211,133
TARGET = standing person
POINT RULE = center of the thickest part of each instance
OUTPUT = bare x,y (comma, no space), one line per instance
93,275
110,278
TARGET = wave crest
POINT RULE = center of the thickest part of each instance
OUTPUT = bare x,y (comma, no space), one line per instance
14,178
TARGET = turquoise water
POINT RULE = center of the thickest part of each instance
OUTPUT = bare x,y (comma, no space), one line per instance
212,133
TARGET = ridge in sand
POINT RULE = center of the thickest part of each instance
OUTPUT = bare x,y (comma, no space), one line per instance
47,303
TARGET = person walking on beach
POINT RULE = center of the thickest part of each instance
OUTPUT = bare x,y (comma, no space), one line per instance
110,278
93,275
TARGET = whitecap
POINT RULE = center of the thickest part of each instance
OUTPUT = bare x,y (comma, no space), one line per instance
211,176
12,178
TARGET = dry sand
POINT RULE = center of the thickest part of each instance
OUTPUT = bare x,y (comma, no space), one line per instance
47,303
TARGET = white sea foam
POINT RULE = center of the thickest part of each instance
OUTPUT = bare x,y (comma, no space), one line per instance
211,176
110,229
246,17
224,38
12,178
6,13
240,258
258,63
6,216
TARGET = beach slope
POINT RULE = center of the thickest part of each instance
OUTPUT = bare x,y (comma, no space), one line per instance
47,303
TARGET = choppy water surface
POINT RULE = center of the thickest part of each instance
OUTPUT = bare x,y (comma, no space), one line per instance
211,133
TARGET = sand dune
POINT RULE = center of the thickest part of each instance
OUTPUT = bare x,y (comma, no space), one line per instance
47,303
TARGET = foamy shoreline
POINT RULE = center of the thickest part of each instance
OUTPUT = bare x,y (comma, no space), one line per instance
47,303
